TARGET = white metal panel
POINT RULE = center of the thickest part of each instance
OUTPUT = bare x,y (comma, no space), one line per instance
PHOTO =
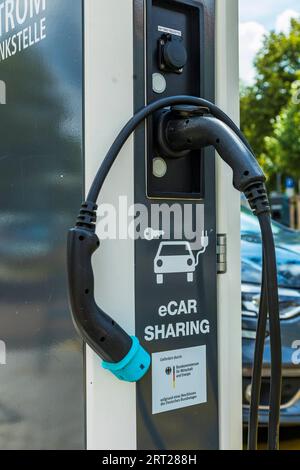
111,405
228,221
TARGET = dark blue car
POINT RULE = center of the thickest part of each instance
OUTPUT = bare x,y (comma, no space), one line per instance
288,260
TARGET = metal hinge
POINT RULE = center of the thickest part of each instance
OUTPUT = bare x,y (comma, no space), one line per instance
221,253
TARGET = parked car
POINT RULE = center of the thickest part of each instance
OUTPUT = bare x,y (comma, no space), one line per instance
288,260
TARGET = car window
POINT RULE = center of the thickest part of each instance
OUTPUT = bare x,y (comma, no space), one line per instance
174,250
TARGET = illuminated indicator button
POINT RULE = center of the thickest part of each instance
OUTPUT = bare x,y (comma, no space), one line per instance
159,83
160,167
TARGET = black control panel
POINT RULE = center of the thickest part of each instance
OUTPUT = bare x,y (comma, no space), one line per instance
174,67
176,279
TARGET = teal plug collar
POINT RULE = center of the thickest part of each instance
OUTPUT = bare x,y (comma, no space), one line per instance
134,366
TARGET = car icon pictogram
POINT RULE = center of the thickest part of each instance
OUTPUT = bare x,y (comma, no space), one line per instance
172,258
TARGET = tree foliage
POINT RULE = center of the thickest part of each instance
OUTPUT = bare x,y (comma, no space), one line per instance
269,115
284,146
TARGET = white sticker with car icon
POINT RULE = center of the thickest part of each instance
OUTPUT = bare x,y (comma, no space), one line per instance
178,258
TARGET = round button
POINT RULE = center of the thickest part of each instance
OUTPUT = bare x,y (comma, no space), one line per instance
160,167
159,83
175,55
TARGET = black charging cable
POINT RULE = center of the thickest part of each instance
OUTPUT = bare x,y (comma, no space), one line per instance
143,114
275,331
258,361
211,127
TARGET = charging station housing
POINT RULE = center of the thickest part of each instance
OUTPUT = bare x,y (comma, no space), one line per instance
96,63
138,419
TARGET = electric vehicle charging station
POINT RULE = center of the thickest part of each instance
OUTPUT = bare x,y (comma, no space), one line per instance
173,303
128,285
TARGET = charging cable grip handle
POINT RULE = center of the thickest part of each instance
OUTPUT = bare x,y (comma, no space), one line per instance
199,132
96,327
122,354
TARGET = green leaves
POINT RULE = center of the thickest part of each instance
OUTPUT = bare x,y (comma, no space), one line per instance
286,140
270,109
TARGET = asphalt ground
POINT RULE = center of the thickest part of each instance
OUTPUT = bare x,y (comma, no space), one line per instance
289,438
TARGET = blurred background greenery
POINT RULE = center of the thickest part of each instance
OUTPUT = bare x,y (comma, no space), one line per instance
270,111
270,98
270,119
